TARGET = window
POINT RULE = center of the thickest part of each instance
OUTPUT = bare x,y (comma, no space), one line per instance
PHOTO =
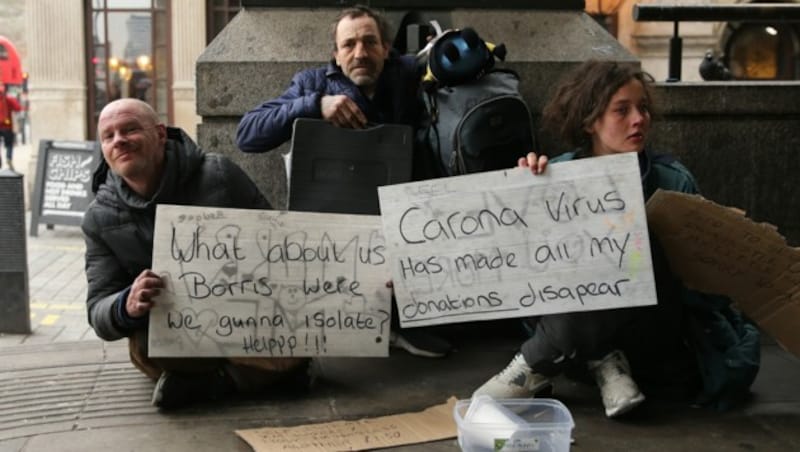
604,12
218,14
128,52
761,51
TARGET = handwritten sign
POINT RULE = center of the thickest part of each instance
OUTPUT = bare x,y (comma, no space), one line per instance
510,244
716,249
434,423
267,283
63,187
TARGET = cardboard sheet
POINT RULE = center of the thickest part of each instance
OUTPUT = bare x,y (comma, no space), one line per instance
507,243
433,424
716,249
263,283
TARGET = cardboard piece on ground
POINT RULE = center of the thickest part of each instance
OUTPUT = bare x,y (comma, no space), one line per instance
510,244
715,249
432,424
263,283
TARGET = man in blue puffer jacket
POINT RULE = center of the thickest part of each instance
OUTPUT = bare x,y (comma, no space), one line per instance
146,164
366,83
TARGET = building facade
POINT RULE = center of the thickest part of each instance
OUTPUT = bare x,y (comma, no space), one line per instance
81,54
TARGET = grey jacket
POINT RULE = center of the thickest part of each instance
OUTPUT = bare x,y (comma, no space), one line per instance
118,225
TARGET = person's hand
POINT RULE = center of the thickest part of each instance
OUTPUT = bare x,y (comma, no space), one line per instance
342,111
140,299
537,163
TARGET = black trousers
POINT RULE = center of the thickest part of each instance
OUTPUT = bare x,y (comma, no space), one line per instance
8,140
647,335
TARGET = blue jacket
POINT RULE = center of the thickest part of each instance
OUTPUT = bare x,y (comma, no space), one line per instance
395,101
727,347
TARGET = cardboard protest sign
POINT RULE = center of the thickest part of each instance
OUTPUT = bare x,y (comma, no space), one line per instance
432,424
718,250
262,283
510,244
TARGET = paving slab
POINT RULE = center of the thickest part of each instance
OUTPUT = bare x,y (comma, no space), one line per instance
85,396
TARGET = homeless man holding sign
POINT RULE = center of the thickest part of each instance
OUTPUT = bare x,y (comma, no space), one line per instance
604,108
366,83
145,164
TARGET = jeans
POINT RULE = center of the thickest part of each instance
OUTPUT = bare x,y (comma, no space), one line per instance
8,139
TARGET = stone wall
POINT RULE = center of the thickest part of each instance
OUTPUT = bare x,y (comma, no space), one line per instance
255,56
12,26
741,140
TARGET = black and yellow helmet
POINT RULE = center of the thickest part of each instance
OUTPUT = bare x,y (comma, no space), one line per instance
458,56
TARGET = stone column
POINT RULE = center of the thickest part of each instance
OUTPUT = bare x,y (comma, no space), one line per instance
57,73
188,42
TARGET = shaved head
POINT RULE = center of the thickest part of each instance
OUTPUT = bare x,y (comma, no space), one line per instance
142,109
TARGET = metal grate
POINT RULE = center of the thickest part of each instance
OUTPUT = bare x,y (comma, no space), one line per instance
14,309
12,223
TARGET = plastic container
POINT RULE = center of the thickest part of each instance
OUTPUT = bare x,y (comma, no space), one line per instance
513,425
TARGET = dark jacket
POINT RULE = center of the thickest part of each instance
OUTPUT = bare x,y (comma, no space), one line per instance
118,225
395,101
727,347
657,170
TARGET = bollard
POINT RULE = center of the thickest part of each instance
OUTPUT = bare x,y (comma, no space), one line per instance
15,315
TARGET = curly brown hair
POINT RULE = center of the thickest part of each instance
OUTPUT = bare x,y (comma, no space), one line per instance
583,95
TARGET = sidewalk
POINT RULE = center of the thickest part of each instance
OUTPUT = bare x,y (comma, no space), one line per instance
62,389
57,288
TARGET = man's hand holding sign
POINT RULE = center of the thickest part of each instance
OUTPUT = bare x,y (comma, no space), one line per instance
266,283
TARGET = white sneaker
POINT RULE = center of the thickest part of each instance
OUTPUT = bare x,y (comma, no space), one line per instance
419,343
517,380
613,375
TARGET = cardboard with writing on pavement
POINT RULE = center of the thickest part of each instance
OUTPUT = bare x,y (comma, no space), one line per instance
716,249
510,244
336,169
432,424
263,283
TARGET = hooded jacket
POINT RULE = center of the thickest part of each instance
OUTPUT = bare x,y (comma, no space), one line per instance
118,225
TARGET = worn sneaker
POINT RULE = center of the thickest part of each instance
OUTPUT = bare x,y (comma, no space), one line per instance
174,390
419,343
517,380
613,375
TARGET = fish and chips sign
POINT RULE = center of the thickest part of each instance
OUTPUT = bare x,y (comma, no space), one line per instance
477,247
510,244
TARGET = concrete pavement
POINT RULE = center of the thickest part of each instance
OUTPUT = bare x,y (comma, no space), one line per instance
62,389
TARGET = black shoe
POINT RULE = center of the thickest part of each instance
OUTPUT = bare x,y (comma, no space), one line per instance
300,379
419,343
178,390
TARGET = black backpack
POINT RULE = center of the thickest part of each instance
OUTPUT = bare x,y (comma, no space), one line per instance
478,121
